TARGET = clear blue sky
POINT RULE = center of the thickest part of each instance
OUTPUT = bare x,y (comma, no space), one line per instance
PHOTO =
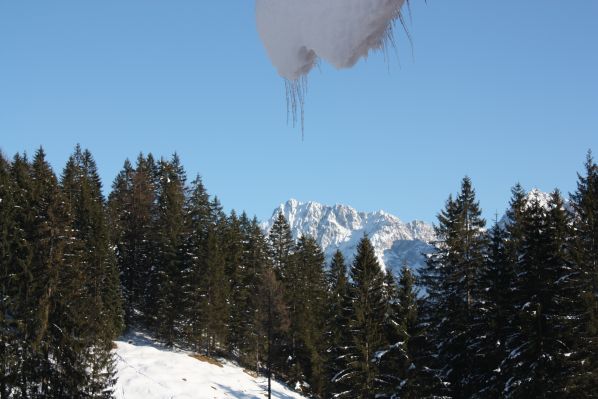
503,91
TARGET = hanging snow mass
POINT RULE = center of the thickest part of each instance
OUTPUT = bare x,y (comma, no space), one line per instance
297,33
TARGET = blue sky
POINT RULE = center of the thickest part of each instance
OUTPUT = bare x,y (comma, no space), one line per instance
502,91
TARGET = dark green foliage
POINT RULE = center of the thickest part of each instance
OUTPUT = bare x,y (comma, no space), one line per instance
494,318
132,211
450,278
585,252
337,319
546,286
306,295
409,376
360,373
281,245
165,300
512,312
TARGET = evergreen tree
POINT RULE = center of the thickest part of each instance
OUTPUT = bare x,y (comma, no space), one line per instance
494,317
253,342
585,205
272,320
132,210
216,292
405,347
450,281
305,285
281,244
338,307
99,295
235,270
12,279
197,223
166,302
360,373
546,289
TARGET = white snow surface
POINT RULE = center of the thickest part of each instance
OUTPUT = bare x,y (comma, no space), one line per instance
296,33
342,227
147,370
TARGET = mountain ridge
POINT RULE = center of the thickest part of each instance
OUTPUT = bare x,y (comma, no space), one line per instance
341,227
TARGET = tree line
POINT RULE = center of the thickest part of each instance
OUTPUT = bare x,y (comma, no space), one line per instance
510,311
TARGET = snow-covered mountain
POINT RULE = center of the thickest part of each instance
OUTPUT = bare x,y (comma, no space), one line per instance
341,227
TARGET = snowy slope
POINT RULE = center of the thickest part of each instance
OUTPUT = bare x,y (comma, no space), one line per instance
341,227
146,370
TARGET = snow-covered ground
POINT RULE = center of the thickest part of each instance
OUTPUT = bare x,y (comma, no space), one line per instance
147,370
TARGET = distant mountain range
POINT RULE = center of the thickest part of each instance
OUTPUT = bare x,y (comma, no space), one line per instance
341,227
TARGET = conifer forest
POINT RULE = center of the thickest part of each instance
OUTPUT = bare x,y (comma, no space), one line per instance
502,309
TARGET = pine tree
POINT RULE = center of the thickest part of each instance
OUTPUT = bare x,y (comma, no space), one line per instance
99,295
12,263
306,292
408,373
585,251
272,320
337,319
256,259
450,281
197,222
545,287
216,295
366,293
233,242
132,209
281,247
281,244
493,317
166,302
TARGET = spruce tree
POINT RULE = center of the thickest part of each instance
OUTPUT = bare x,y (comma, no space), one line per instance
360,373
337,319
12,249
584,202
545,287
216,295
306,294
494,317
165,299
197,222
449,278
409,372
99,297
281,244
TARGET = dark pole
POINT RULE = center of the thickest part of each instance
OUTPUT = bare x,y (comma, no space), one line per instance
269,344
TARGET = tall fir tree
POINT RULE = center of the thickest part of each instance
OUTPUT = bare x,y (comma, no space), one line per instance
360,373
493,321
99,296
305,285
165,298
281,244
409,375
547,304
337,319
584,202
449,278
197,222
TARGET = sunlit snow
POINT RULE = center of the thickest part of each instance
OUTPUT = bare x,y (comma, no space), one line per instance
296,33
146,370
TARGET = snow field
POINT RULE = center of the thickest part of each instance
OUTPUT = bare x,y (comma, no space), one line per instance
147,371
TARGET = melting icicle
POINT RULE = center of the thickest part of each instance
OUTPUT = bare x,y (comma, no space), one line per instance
297,33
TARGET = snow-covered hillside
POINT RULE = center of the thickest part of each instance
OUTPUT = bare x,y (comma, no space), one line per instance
146,370
341,227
